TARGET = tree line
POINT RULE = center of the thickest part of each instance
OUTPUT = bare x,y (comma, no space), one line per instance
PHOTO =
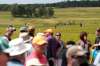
66,3
30,11
45,10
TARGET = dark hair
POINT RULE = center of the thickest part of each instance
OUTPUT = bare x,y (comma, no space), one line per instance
58,33
82,34
98,30
70,42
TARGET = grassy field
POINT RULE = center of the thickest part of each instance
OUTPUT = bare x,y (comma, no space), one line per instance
89,16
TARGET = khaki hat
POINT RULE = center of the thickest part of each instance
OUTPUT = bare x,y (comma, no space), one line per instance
49,30
75,51
39,40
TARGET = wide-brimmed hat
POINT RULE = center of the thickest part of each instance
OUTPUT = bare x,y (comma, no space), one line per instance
75,51
39,40
17,47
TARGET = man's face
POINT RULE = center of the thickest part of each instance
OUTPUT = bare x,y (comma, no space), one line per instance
3,58
97,33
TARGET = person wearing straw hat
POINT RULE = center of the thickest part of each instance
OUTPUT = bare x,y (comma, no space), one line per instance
37,57
4,56
16,50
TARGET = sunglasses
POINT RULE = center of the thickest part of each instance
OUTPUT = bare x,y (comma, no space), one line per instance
58,35
79,57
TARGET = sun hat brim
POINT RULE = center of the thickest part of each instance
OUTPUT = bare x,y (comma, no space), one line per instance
14,52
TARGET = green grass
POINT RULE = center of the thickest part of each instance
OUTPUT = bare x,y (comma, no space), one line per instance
89,16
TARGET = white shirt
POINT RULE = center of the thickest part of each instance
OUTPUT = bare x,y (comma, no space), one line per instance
97,60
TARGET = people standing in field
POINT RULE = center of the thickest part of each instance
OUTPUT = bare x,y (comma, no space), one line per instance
24,34
97,39
9,32
67,45
60,50
37,57
85,43
16,50
52,48
76,57
31,30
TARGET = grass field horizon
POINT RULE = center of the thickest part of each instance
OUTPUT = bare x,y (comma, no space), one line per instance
88,16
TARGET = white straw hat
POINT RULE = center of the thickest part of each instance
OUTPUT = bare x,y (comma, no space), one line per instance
17,47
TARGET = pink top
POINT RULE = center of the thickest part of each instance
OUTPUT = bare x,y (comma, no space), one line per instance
36,58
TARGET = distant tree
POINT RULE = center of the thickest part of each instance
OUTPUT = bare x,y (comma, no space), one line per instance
28,11
37,12
50,12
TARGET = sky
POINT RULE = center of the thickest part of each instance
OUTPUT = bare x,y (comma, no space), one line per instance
28,1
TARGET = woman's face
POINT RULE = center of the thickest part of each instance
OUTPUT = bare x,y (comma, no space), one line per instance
58,37
41,48
85,37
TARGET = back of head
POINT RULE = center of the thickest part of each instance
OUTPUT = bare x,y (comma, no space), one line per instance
74,50
70,44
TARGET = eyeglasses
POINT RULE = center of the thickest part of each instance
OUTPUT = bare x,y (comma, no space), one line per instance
58,35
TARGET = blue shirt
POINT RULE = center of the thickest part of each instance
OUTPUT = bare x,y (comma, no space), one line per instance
14,62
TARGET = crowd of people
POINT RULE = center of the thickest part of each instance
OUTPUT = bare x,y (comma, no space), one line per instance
47,49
